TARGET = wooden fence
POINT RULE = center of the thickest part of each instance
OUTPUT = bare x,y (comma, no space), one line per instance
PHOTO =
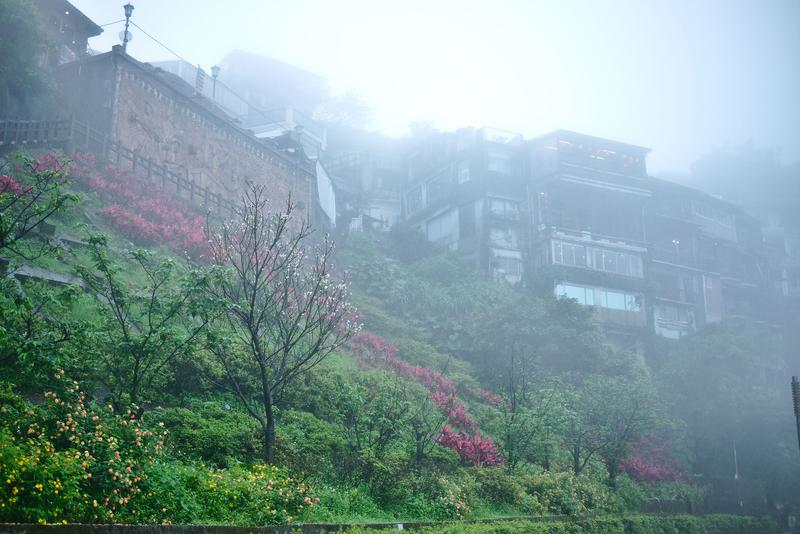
72,135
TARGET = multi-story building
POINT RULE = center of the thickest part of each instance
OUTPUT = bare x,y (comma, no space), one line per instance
580,215
706,260
587,198
464,191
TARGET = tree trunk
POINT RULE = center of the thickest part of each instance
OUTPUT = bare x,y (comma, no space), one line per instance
576,459
612,471
419,457
269,432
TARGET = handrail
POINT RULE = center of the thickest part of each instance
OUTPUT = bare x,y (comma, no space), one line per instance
75,135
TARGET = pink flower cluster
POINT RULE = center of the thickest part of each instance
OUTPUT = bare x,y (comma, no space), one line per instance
466,441
9,185
149,216
490,397
650,462
51,162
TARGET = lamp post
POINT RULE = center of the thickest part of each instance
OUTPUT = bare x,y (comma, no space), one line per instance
214,75
796,401
128,12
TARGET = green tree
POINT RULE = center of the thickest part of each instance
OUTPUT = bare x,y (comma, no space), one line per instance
28,197
143,331
610,413
23,47
37,335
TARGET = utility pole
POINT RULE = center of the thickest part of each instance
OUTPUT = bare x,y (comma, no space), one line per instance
796,400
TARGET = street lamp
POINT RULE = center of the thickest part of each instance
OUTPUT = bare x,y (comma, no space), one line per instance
128,12
214,75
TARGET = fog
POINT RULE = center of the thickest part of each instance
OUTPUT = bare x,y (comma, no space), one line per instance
680,77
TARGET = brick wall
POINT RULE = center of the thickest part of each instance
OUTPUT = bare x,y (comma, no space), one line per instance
191,141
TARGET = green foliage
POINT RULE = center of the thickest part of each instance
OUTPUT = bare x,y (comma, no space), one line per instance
23,43
565,493
68,459
37,336
257,495
210,433
347,505
32,190
144,330
308,445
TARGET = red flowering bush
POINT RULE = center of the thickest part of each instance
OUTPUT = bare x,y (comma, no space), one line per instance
650,462
475,449
467,442
142,212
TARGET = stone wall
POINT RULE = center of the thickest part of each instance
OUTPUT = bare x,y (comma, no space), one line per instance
191,140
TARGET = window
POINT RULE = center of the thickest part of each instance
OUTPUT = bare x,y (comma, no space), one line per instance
605,298
499,161
463,172
506,209
598,259
612,300
582,294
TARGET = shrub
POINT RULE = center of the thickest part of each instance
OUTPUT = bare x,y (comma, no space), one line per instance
498,486
207,432
68,459
306,444
564,493
347,505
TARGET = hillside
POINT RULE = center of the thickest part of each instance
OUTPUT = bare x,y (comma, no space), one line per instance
459,397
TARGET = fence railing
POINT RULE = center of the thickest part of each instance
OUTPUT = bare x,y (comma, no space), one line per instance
73,135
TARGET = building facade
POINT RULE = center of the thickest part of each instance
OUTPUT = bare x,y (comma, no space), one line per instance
580,216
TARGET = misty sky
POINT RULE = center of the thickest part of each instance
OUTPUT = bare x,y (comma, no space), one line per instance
678,76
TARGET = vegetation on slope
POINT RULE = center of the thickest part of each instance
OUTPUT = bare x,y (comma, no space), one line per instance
460,398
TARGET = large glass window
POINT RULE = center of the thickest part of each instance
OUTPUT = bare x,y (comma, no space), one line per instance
582,294
605,298
613,300
596,258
